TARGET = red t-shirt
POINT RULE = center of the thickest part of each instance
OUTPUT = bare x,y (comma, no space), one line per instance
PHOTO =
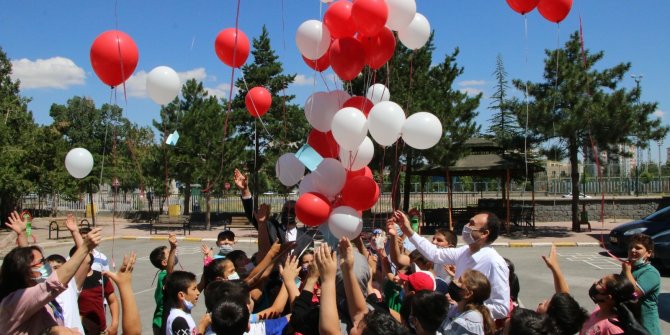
91,301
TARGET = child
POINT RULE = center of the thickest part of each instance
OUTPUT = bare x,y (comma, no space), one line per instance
164,261
226,243
444,238
470,291
181,295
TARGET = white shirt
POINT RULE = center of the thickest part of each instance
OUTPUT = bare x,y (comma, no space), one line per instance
175,313
291,234
486,261
68,300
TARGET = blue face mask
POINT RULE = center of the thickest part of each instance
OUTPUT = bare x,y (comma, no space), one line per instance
639,262
234,276
44,271
225,249
188,306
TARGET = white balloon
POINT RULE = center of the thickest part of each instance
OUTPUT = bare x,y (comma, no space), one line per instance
349,128
385,122
320,109
401,13
308,184
416,34
313,39
422,130
378,93
345,221
330,177
359,158
163,84
289,169
79,162
341,97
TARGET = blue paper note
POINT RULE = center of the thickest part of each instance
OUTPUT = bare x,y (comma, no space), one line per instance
172,138
309,157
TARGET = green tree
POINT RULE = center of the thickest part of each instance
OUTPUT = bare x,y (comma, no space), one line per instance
578,104
17,140
504,127
281,130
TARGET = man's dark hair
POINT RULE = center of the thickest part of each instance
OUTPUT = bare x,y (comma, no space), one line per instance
568,315
380,323
226,235
643,239
528,322
157,256
493,226
91,258
230,317
178,281
56,258
235,255
221,290
429,308
448,234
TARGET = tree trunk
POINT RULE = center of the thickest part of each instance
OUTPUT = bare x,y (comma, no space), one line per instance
395,192
408,180
187,198
573,149
208,222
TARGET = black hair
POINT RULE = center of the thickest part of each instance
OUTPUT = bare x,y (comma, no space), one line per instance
178,281
15,273
221,290
492,225
528,322
214,269
643,239
235,255
74,249
230,317
514,285
56,258
620,288
157,256
226,235
380,323
568,315
429,308
448,234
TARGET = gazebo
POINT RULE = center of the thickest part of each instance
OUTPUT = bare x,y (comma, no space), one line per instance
485,159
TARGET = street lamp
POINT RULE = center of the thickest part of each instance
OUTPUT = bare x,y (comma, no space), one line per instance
637,78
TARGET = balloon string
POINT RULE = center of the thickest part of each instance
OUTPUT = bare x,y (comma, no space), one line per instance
381,171
325,82
396,178
525,136
283,25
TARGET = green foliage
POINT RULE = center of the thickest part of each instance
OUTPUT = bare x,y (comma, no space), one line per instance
504,127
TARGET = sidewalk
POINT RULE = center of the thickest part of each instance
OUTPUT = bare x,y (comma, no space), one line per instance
544,234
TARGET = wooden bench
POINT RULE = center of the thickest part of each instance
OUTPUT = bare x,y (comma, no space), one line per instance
169,222
59,224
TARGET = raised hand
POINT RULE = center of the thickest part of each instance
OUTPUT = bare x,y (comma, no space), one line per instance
206,251
172,239
125,273
326,261
552,259
263,213
390,227
290,270
16,223
71,223
240,180
403,222
346,253
93,238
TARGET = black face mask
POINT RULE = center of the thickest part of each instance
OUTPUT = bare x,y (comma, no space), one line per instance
287,218
455,292
593,293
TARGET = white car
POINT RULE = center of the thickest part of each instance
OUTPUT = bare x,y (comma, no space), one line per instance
581,196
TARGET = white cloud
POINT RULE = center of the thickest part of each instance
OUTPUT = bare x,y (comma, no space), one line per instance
136,85
198,74
471,91
221,91
302,80
659,113
55,72
471,83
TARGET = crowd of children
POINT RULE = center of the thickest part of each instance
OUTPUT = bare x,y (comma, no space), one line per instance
392,281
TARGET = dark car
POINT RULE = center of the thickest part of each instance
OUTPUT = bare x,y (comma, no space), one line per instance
652,225
662,248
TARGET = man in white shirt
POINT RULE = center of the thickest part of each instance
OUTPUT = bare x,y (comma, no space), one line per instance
476,254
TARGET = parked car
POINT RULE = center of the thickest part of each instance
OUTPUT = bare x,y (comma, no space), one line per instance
581,196
656,225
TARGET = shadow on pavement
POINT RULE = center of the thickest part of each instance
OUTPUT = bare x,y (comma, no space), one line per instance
664,306
519,233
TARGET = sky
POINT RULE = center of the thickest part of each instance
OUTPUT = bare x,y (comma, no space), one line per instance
48,43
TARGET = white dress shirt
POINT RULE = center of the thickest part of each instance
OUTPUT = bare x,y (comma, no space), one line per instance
486,261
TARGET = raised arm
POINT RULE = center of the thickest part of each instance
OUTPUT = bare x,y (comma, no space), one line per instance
426,248
262,216
68,270
71,224
355,297
289,272
130,318
560,285
399,259
172,239
329,323
247,202
18,224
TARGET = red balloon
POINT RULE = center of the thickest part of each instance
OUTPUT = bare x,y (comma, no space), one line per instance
312,209
523,6
338,19
360,193
114,57
361,103
320,64
369,16
378,49
554,10
365,171
258,101
228,52
347,57
323,143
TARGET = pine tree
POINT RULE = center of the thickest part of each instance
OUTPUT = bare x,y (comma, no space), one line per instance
504,127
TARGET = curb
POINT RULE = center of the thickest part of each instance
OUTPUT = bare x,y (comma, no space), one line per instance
188,239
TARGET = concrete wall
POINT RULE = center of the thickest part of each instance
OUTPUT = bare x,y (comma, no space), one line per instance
619,208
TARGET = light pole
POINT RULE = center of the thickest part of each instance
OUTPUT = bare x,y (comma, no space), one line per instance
637,78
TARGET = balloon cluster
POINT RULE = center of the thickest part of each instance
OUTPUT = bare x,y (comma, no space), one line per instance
341,186
552,10
355,34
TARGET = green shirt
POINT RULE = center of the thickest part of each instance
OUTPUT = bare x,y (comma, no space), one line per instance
392,295
649,281
158,296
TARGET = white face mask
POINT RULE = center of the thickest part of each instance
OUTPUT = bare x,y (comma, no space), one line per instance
234,276
467,235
